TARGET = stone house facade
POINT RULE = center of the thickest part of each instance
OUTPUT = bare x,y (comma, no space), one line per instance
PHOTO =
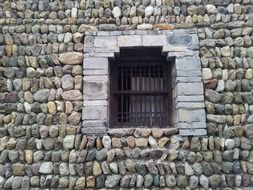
55,106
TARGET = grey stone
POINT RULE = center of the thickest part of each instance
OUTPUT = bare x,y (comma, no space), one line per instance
213,96
171,181
148,180
112,181
41,95
67,82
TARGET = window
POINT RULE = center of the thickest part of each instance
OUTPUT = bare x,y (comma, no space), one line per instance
129,81
141,89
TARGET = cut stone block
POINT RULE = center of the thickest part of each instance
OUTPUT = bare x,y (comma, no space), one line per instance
95,66
191,105
95,88
197,98
94,131
190,88
188,115
95,123
154,40
95,113
105,41
129,41
188,64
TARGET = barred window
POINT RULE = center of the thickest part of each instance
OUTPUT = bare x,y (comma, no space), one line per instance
141,89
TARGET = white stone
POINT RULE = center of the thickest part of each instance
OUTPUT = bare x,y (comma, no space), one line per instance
229,143
152,142
68,142
1,181
71,58
63,169
144,27
211,9
74,12
68,37
249,74
188,170
149,11
225,51
46,167
28,107
220,86
107,142
116,12
203,180
207,74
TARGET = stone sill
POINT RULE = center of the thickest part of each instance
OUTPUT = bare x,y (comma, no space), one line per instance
142,132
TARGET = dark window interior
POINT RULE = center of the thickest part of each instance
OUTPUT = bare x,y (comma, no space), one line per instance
141,89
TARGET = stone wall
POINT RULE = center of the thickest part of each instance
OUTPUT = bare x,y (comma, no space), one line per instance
41,93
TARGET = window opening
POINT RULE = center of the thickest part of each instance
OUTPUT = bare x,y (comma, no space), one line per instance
141,89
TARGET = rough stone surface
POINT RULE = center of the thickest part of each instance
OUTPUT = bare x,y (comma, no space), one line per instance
71,58
49,48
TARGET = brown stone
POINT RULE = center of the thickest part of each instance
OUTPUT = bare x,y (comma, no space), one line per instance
97,170
51,107
90,181
18,169
170,131
86,28
210,84
80,183
29,156
72,95
141,142
99,144
163,26
8,50
163,141
130,142
145,132
71,58
116,143
71,130
157,133
238,131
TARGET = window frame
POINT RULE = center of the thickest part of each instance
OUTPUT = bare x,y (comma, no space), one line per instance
188,94
142,57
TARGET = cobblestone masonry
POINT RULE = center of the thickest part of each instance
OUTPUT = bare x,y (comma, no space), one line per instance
43,85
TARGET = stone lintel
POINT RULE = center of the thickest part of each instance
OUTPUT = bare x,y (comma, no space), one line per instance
129,41
154,40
